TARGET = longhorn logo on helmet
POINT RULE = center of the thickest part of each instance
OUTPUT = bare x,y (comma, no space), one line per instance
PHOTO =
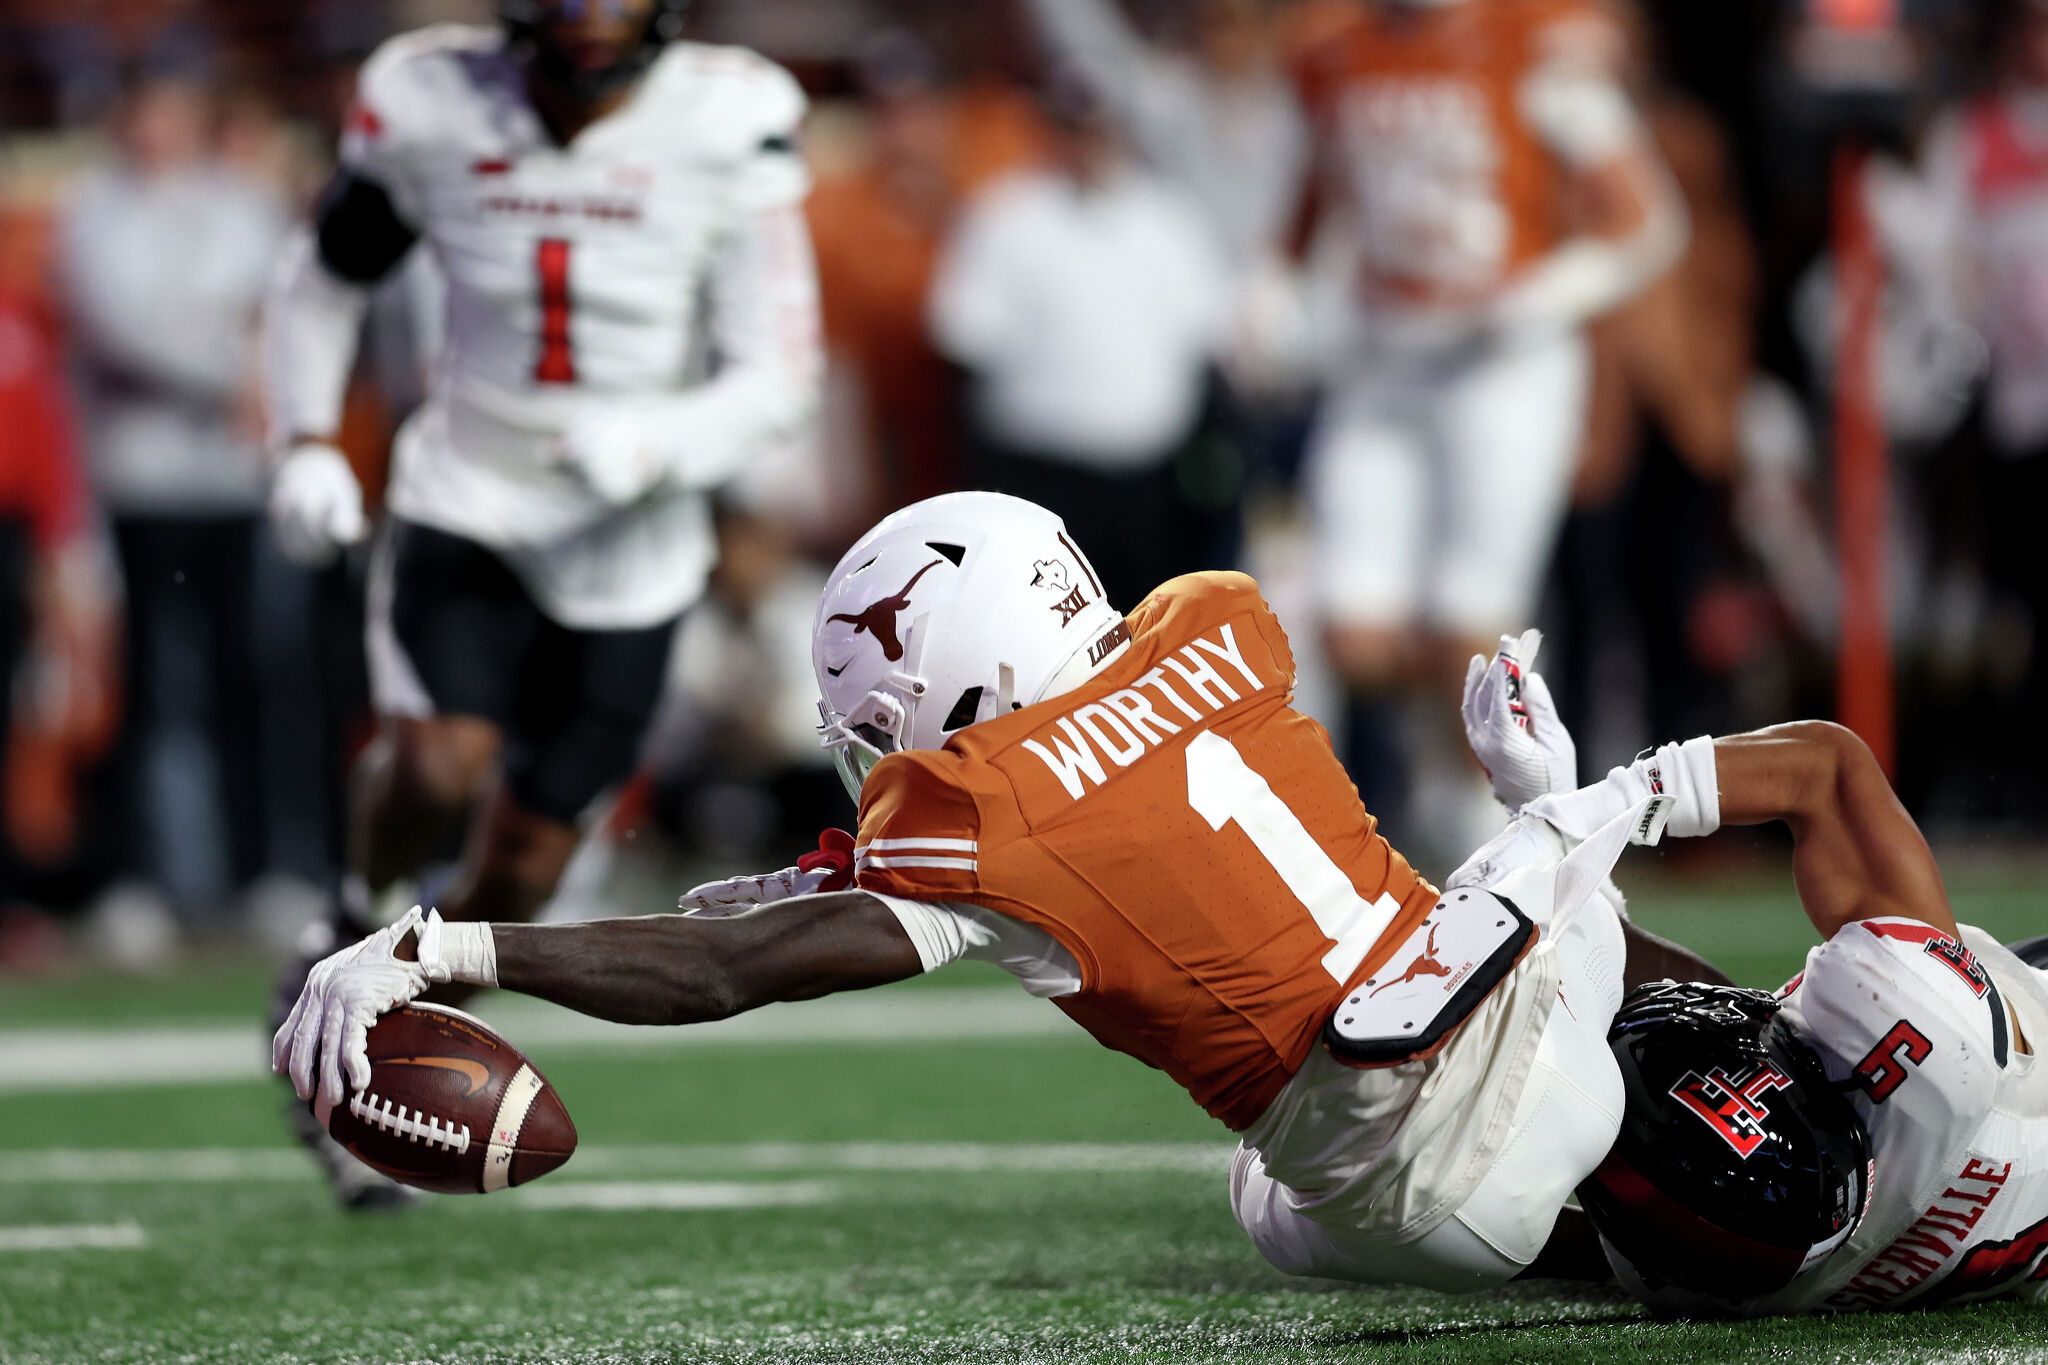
879,618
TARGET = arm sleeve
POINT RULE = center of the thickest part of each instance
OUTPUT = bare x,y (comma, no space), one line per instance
311,323
952,933
1899,992
1140,87
941,933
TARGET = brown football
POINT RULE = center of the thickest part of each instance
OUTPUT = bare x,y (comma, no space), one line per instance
451,1107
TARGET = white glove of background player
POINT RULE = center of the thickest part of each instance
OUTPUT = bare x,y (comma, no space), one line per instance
316,505
345,993
605,446
1513,726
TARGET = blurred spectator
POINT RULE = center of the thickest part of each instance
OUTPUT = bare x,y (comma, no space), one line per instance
1986,214
1490,190
1648,528
1089,302
1221,124
77,50
57,617
877,227
164,259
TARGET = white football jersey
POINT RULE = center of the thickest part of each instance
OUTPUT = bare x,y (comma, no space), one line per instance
1922,1030
605,269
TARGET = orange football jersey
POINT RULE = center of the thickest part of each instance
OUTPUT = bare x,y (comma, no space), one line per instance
1180,829
1420,112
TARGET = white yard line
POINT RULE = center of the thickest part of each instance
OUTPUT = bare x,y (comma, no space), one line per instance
78,1237
203,1165
675,1194
104,1059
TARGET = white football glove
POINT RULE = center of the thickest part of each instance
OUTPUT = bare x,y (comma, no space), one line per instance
316,505
329,1027
605,446
736,896
1513,726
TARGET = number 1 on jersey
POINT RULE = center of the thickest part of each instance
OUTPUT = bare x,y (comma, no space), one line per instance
1223,789
551,262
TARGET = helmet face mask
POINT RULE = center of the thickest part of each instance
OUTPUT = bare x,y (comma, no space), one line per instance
580,63
950,612
1739,1165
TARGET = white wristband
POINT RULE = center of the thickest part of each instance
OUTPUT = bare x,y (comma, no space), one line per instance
1679,782
1687,774
462,951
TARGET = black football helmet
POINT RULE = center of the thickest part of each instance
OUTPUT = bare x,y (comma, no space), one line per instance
1739,1164
525,24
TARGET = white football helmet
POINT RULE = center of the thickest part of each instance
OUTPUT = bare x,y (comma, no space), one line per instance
954,610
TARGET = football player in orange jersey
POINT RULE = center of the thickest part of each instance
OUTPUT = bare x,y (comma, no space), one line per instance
1127,815
1486,188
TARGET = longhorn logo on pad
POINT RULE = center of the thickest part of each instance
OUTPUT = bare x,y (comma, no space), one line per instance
1426,965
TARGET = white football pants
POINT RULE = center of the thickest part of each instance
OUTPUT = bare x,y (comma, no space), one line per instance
1564,1125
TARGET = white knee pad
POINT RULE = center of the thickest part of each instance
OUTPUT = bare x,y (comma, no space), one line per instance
1290,1242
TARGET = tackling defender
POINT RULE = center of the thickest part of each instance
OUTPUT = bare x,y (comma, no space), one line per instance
1875,1135
588,188
1128,816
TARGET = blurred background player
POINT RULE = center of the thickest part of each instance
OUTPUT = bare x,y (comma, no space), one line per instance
882,211
583,183
1219,122
1089,302
1984,217
1486,187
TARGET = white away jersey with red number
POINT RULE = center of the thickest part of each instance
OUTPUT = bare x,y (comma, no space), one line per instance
1922,1028
602,271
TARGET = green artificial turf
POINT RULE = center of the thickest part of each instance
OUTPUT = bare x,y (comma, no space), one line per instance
910,1252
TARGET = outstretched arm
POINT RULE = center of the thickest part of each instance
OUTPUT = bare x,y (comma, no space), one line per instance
1856,853
669,969
679,969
